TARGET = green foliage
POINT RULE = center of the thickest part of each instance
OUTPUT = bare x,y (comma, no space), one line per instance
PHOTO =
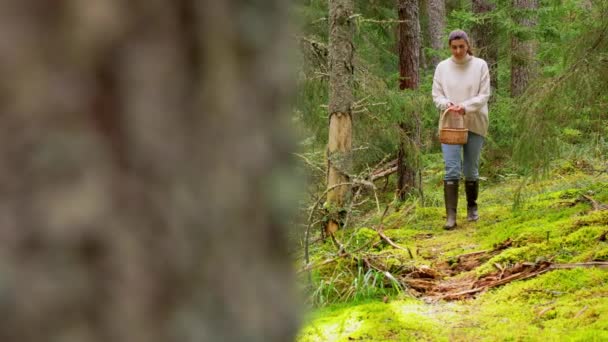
310,117
565,106
462,19
573,98
350,281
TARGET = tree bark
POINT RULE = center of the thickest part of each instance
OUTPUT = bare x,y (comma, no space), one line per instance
137,140
339,149
523,48
409,44
485,40
436,13
409,48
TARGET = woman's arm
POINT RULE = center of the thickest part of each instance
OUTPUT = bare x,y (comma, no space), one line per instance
475,103
439,98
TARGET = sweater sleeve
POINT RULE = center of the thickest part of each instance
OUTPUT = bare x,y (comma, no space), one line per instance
475,103
439,98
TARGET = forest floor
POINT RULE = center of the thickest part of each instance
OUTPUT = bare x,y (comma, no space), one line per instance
528,273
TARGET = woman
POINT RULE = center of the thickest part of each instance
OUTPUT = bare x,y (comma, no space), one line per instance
462,84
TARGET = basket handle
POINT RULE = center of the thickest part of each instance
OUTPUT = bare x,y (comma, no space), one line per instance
444,115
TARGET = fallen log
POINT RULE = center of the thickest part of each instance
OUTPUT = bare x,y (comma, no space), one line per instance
383,171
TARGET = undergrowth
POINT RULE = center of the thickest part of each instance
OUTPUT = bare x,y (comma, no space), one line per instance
555,221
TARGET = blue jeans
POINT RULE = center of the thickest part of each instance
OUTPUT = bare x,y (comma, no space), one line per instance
453,160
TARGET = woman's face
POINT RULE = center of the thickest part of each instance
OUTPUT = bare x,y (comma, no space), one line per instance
459,48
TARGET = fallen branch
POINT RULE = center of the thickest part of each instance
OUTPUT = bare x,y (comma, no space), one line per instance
380,231
310,267
581,312
372,186
384,173
490,252
529,271
310,163
468,255
390,242
518,276
312,210
599,264
385,170
595,204
357,181
360,18
545,310
342,253
350,207
468,261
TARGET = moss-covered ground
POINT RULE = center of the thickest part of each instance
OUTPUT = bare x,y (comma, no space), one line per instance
556,220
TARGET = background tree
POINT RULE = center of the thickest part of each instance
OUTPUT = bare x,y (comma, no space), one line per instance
436,27
138,148
564,33
485,38
523,47
339,158
409,64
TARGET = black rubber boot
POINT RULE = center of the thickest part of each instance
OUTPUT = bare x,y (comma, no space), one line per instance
450,194
471,188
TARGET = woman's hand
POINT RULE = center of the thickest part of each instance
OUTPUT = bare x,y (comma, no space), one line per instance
457,108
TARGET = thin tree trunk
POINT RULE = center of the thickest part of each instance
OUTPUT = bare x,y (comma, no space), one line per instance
339,149
485,39
409,47
523,48
135,149
436,13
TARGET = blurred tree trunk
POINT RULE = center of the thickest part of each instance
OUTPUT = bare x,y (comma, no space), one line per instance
436,13
339,149
523,47
409,59
485,39
137,142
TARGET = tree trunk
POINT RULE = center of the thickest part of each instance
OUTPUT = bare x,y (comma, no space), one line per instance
523,48
138,141
436,12
485,39
339,158
409,48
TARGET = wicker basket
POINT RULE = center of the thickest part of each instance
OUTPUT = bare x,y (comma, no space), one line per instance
452,135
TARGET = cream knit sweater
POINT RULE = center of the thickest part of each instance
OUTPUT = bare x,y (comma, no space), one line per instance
465,83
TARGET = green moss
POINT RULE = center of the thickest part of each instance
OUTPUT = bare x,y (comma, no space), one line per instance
572,135
554,222
561,304
403,320
601,254
364,236
429,213
581,245
594,218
